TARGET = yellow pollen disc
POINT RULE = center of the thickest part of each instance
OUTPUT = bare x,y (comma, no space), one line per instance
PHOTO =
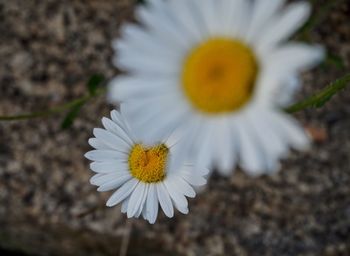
148,164
219,75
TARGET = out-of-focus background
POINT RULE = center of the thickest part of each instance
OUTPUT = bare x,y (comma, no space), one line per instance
49,49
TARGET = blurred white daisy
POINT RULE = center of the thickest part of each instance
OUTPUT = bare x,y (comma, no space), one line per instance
142,175
220,71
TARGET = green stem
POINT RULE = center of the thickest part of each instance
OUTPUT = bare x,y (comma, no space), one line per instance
55,110
319,99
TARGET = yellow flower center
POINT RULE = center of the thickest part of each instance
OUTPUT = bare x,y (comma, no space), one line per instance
219,75
148,164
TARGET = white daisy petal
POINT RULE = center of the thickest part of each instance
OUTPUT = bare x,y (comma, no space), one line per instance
125,204
145,119
142,65
229,17
150,17
144,213
205,150
271,152
242,13
291,130
188,19
273,142
114,183
183,186
209,16
251,157
292,85
116,130
225,150
283,26
295,57
101,178
263,11
152,204
142,208
136,53
122,123
191,169
119,120
111,140
104,155
97,144
183,210
94,179
142,123
164,200
178,198
193,179
126,87
180,148
136,199
122,193
108,167
168,123
134,35
132,107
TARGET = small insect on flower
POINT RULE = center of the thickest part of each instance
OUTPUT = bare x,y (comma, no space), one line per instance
221,71
143,175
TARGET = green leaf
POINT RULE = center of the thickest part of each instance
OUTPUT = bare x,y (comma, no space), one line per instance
94,82
320,99
72,115
55,110
335,60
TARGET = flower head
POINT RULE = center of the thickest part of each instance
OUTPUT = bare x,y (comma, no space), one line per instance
143,175
220,71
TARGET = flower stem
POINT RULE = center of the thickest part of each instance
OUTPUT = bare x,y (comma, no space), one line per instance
55,110
320,99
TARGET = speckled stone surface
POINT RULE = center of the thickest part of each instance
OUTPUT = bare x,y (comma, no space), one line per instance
48,49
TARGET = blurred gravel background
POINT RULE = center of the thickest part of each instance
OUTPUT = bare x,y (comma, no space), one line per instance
49,48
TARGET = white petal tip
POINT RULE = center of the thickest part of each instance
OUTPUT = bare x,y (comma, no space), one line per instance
205,171
109,204
112,93
91,142
192,195
303,7
321,53
184,211
113,113
95,130
92,181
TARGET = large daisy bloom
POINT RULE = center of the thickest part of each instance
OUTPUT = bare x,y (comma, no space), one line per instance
220,71
143,175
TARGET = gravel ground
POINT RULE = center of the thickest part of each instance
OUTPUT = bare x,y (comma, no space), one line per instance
48,49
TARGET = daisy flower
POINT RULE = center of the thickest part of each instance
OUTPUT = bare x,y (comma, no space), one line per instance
143,175
220,71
